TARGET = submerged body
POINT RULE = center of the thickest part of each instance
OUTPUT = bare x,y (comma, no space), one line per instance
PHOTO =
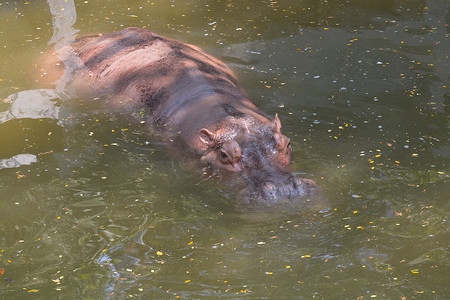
191,95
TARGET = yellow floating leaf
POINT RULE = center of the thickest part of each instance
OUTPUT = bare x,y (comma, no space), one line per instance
159,253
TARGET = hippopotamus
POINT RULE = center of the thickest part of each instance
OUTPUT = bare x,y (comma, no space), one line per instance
190,96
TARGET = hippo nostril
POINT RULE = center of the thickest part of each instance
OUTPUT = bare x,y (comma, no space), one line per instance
296,182
270,186
269,190
298,185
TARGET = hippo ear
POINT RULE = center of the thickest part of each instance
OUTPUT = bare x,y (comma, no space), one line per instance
207,137
276,123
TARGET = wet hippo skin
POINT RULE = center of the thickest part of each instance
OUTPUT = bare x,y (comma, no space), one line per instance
190,95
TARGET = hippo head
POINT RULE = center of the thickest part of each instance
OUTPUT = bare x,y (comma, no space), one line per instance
254,147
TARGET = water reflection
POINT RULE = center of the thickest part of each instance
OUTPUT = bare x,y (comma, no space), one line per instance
17,160
64,17
32,104
42,103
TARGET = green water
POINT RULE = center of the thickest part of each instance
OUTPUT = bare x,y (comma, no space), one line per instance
92,207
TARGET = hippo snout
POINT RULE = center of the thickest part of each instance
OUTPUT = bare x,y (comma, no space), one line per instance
294,187
271,192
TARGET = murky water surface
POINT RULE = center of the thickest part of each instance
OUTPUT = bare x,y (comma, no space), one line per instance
92,207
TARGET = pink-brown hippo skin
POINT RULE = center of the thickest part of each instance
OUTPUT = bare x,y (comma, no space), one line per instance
189,94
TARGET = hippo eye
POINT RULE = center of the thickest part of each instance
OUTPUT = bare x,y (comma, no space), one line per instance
223,156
